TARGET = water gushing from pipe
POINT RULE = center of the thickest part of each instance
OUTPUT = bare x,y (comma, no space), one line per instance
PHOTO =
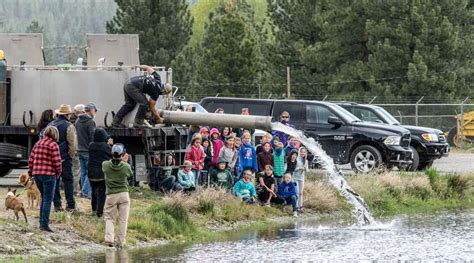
360,209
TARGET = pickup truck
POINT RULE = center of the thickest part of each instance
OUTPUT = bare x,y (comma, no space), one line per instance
427,144
344,137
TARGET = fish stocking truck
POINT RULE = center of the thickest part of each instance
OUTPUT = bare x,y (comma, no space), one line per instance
28,87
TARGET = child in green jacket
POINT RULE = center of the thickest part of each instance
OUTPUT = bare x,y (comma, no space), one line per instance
222,176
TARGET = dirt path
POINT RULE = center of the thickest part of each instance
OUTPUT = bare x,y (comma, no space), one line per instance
20,238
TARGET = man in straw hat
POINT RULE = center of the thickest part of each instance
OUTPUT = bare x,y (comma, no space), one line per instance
67,146
134,91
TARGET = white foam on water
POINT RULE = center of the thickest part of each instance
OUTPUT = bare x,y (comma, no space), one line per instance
360,209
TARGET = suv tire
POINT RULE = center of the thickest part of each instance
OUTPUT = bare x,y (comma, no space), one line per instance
416,160
365,159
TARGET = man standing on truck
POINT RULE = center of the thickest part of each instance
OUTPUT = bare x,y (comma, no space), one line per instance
85,127
67,147
134,91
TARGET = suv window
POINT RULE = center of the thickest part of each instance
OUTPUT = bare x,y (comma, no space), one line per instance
317,114
366,115
296,110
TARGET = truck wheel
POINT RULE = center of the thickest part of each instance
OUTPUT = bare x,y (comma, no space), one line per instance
4,171
416,160
365,159
424,165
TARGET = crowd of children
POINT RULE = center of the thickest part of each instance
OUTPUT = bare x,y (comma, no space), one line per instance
271,172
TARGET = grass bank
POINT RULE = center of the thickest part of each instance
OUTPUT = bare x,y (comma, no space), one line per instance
407,193
189,218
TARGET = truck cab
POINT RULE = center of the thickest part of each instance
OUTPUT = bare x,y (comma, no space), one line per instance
366,146
427,144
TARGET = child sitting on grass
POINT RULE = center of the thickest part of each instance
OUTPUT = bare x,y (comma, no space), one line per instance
266,187
287,192
186,177
244,188
222,176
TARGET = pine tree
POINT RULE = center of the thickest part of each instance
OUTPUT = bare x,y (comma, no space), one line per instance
164,27
296,28
230,63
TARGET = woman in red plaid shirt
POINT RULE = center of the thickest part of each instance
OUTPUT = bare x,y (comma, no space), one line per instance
45,166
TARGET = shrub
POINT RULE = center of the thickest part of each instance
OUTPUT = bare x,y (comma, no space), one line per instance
320,197
457,185
435,182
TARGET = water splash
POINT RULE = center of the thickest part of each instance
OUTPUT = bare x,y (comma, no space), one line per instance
360,209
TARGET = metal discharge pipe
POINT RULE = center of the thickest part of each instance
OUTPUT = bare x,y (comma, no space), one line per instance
217,120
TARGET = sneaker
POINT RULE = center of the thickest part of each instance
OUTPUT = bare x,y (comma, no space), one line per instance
58,209
295,214
46,229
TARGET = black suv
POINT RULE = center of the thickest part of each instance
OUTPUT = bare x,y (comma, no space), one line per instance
343,136
427,144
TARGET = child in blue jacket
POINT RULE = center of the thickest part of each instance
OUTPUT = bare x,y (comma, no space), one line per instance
247,155
287,192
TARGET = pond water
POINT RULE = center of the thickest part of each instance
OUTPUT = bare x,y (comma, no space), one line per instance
444,236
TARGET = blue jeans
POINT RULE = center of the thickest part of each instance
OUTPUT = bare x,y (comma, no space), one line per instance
46,185
291,200
85,184
68,182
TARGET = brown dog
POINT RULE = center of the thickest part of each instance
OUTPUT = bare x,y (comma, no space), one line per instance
14,203
32,191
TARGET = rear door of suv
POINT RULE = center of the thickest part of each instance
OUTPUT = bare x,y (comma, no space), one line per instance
336,140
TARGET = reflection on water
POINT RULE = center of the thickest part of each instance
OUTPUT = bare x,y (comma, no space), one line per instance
447,236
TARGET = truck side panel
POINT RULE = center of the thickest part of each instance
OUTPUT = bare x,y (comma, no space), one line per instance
37,90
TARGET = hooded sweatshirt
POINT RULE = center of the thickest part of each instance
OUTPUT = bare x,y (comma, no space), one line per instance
85,127
99,151
221,178
286,189
278,162
301,167
248,157
116,176
244,190
217,144
186,179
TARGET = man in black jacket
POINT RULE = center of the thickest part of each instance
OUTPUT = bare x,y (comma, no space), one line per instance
134,91
85,126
